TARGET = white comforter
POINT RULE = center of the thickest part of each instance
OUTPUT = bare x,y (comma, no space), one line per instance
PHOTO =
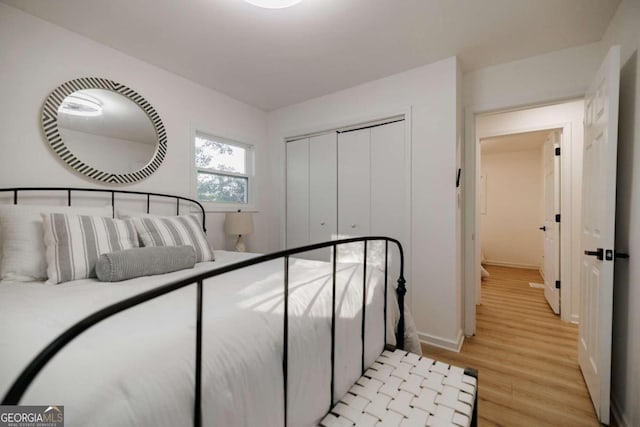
137,368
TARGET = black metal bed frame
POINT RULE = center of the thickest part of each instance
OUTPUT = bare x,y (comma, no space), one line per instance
113,192
27,376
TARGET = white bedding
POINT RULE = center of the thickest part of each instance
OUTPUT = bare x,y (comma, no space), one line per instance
117,372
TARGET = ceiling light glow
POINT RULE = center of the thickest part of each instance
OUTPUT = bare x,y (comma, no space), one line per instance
81,105
273,4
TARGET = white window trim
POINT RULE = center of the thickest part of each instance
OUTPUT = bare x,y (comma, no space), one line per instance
250,173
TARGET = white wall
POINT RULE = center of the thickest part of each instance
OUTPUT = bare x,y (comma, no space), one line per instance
625,31
552,76
36,57
430,92
509,233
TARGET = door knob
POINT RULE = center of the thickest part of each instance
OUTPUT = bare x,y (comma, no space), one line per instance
353,226
621,255
322,223
599,253
543,228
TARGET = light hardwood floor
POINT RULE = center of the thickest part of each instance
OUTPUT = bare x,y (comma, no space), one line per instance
526,357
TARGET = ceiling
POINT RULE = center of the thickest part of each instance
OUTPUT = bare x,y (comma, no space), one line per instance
516,142
272,58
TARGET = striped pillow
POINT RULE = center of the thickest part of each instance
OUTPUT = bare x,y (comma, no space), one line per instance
75,242
23,252
174,231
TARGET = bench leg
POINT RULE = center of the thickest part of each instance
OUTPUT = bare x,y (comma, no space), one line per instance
474,418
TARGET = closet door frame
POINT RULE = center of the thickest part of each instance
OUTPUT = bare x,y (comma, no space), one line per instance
316,127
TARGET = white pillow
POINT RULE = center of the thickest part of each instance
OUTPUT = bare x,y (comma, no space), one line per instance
75,242
174,231
23,251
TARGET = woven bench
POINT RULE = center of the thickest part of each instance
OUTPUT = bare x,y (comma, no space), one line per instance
402,389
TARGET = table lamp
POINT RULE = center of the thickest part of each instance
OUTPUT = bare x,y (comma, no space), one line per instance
239,224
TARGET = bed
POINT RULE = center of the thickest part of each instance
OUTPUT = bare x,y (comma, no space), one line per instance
245,340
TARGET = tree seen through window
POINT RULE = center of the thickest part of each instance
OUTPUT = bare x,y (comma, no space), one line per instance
221,172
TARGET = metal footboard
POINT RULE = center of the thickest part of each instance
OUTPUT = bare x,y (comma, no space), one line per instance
27,376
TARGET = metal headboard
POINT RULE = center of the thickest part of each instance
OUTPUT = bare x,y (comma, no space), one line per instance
113,193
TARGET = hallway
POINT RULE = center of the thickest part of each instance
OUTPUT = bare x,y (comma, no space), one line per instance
526,357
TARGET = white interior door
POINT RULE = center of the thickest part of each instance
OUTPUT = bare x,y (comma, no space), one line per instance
297,193
323,187
551,228
598,227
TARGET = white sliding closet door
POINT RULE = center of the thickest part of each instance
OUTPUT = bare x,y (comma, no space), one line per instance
347,184
389,188
323,184
323,192
354,183
297,193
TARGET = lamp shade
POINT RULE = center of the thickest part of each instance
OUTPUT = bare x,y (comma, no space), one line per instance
238,223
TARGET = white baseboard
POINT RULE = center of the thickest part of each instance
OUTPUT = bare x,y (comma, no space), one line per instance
447,344
512,264
621,420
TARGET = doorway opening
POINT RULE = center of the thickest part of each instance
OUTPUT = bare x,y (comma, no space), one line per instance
566,119
589,145
519,207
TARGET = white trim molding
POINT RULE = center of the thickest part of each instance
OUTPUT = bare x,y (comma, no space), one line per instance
512,264
445,343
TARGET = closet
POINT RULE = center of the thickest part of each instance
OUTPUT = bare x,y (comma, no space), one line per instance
311,191
348,182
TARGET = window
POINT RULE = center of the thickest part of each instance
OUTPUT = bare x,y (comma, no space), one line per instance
223,170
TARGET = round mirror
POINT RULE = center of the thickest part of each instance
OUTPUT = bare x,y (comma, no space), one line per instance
104,130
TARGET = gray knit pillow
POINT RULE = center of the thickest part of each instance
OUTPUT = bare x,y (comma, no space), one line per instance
130,263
